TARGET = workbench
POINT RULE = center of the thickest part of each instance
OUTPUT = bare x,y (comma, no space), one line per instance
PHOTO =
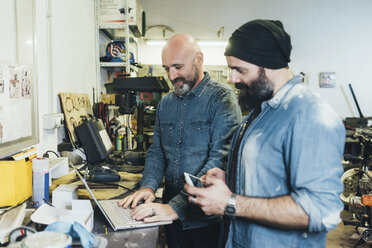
141,237
129,182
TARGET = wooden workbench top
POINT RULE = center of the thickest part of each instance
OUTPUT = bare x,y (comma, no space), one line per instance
128,180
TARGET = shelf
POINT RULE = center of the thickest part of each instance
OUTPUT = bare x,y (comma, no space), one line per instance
117,34
117,64
110,27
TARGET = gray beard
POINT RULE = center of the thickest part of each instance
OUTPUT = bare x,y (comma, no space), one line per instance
181,90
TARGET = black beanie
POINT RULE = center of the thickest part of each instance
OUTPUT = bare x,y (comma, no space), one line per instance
264,43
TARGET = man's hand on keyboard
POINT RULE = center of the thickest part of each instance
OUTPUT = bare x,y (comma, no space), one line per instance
144,194
153,212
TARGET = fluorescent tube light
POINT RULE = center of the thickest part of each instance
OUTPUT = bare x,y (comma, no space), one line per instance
156,42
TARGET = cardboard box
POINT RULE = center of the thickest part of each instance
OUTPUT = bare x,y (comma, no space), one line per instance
15,182
109,14
63,195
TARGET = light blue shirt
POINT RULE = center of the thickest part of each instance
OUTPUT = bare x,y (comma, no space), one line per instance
294,147
192,134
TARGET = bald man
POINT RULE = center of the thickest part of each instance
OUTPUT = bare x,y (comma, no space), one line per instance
193,128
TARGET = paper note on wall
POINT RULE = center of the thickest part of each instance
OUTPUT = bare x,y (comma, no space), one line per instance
15,102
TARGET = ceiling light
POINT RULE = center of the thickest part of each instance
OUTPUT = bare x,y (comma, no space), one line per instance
156,42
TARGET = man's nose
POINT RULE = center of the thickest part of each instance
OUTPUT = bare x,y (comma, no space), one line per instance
233,78
172,74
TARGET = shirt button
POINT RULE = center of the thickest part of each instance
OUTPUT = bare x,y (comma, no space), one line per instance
179,141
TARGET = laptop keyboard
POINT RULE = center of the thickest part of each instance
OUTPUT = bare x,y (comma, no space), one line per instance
118,214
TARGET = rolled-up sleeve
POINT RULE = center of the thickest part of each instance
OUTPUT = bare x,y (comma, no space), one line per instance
313,153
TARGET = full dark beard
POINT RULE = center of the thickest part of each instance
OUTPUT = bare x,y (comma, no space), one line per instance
259,90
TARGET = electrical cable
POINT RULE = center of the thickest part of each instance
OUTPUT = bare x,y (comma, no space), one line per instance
70,136
114,184
370,178
74,145
103,115
129,189
22,230
45,155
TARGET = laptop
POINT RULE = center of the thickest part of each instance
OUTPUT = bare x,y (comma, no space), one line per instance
118,217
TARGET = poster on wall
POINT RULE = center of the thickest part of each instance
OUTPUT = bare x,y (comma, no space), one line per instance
15,102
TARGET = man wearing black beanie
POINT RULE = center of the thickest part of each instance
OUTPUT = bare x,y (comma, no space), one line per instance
282,183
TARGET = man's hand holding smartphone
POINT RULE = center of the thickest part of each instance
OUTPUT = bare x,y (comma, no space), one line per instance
192,180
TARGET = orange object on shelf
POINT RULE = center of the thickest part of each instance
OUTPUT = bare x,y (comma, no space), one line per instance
367,200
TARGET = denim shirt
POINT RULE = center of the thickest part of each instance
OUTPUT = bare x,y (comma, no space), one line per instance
294,147
192,134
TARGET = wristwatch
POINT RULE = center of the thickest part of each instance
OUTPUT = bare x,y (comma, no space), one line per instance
230,209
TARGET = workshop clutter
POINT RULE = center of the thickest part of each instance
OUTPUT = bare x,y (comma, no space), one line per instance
357,180
80,211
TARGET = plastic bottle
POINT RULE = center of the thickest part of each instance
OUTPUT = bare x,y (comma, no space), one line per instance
40,181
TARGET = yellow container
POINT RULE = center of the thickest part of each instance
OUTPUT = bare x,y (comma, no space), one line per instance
15,182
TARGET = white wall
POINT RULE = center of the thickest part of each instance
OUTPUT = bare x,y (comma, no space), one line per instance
332,35
65,33
8,45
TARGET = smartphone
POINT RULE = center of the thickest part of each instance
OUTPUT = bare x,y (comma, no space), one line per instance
191,179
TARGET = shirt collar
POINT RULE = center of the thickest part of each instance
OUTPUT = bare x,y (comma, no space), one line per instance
277,98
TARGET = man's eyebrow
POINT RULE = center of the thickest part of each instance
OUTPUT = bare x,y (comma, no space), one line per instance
175,65
235,68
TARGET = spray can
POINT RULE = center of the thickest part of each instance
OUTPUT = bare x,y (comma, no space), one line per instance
40,181
122,134
119,140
